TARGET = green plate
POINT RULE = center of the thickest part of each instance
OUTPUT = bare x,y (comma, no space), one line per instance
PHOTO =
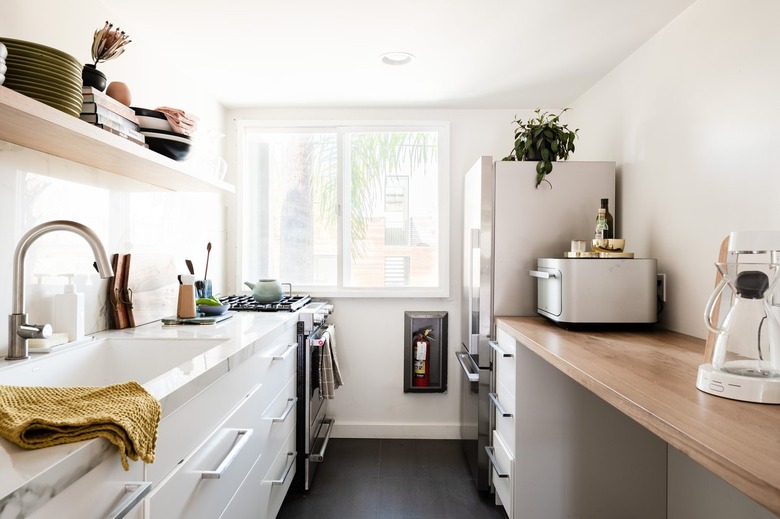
53,103
40,92
25,65
41,49
43,57
42,77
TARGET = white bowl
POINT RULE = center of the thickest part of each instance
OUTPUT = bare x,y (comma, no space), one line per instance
153,123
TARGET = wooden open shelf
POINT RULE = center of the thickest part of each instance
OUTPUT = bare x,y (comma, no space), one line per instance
29,123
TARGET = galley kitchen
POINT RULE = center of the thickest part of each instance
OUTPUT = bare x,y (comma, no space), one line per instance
283,261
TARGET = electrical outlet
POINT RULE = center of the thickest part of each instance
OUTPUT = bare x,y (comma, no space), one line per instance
661,283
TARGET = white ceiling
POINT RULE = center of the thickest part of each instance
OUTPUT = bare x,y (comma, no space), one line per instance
326,53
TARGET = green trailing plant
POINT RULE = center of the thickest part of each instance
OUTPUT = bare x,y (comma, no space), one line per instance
544,139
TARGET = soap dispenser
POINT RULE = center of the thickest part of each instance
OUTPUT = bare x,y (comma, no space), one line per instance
69,312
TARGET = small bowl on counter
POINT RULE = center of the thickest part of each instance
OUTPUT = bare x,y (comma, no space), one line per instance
212,310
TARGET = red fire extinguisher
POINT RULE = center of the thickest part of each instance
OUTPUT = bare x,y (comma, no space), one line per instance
421,347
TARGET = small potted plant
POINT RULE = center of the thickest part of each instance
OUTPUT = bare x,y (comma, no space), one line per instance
108,43
542,138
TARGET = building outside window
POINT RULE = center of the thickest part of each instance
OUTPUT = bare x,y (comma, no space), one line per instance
341,209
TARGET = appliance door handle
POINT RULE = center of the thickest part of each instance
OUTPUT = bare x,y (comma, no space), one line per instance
133,493
290,349
472,376
542,275
290,406
499,407
244,435
319,457
495,346
491,452
287,468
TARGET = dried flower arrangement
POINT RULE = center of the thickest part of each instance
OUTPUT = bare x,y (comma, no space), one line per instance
109,42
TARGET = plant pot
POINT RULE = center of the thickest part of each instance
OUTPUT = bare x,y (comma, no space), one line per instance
91,76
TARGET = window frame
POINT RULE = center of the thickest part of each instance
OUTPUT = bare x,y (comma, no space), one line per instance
244,127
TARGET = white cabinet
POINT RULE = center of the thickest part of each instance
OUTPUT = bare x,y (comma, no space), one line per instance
563,451
105,491
208,448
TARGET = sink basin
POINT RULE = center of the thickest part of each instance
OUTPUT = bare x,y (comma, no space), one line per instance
107,361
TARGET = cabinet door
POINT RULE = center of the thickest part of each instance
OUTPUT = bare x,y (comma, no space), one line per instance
105,491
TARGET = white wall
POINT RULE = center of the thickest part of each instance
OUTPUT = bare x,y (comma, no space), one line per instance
371,332
127,216
691,120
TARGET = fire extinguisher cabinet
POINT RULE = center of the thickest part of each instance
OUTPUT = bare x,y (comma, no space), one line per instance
425,352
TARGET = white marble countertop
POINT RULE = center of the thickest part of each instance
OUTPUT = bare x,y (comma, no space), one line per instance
26,473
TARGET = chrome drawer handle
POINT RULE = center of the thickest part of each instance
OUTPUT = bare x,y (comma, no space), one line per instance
320,456
499,407
290,348
491,452
134,492
495,346
290,406
244,435
473,377
287,468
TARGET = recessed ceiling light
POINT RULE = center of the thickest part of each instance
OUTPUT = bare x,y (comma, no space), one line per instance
397,58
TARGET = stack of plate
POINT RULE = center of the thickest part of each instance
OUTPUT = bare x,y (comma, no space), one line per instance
45,74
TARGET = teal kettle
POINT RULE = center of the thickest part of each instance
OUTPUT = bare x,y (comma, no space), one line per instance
266,290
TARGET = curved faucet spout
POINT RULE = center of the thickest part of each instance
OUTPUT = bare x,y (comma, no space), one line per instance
17,338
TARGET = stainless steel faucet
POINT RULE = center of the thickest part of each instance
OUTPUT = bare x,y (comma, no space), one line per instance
18,328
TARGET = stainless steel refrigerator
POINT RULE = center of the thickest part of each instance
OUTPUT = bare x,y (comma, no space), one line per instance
508,224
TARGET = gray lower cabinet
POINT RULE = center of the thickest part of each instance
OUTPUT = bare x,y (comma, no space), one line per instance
560,451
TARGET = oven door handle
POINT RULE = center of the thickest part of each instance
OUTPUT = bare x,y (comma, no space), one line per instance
290,349
320,456
472,375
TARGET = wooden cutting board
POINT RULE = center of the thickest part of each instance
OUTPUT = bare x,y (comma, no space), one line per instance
152,287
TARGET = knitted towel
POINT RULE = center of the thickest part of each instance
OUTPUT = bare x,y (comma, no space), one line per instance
124,414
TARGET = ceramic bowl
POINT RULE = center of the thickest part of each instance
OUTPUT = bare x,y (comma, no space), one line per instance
172,145
608,245
210,310
151,119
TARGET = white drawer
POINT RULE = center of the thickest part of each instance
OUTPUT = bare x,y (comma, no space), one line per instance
504,465
505,425
203,485
109,489
506,364
182,430
261,494
280,420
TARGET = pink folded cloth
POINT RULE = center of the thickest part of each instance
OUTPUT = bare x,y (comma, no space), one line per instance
180,121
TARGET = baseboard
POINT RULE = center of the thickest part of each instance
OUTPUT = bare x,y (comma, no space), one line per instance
416,431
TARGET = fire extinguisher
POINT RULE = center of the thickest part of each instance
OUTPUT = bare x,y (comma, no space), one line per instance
421,347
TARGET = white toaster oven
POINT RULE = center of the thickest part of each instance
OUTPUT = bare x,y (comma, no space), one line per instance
597,290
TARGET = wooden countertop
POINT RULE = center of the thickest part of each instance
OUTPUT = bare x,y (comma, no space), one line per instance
651,377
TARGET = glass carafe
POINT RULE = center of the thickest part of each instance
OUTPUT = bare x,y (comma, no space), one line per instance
748,332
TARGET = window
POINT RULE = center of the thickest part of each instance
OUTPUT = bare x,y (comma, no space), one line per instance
346,209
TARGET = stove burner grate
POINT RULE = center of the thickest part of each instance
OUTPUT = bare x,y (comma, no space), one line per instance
246,303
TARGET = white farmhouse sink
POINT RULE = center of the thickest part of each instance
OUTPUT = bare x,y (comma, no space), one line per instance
107,361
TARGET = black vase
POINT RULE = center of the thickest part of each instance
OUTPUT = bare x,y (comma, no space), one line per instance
91,76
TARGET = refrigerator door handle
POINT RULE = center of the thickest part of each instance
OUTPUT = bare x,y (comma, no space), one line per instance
472,375
543,275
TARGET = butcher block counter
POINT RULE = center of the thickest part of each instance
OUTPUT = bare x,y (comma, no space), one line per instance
651,377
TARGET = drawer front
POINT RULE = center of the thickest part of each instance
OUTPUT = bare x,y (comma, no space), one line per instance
505,425
110,490
506,366
505,464
203,485
262,492
185,428
279,418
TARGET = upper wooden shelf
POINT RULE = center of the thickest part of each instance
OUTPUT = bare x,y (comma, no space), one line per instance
29,123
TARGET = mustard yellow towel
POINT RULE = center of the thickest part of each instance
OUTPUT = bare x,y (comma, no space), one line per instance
124,414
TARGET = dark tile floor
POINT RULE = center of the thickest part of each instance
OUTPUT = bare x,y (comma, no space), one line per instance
392,479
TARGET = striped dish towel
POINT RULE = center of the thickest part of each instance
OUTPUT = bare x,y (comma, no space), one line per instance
124,414
330,374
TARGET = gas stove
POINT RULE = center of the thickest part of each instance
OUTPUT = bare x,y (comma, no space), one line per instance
246,303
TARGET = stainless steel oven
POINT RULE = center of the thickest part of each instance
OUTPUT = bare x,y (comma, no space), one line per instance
314,425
